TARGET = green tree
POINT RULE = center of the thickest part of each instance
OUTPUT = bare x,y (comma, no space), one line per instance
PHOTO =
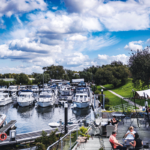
39,78
22,78
139,63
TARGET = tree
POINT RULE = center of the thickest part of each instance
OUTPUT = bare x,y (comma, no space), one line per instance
139,63
22,78
39,78
115,73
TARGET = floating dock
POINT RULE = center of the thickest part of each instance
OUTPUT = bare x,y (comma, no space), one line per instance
30,136
8,126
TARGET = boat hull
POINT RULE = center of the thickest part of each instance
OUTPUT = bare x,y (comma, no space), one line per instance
5,102
81,104
45,104
25,103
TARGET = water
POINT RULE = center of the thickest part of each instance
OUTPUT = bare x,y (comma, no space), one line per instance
36,118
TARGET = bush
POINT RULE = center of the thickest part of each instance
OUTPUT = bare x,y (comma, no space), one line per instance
40,146
107,107
97,92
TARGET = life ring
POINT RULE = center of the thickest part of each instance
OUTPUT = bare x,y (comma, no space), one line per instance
3,136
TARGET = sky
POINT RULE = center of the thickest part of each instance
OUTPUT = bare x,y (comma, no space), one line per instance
73,33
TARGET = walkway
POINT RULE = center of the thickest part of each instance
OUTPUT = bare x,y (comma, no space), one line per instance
125,99
92,144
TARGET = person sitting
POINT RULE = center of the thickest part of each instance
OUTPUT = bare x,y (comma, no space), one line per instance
130,133
115,143
137,144
113,121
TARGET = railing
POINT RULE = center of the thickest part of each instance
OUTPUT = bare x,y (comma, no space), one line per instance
66,142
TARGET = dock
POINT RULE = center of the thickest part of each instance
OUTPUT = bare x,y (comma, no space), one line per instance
30,136
8,126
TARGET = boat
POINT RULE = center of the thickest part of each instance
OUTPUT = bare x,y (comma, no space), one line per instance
81,100
3,88
35,88
13,91
46,99
5,98
66,95
25,98
2,119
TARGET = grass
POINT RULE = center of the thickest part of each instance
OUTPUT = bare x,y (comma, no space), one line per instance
124,90
141,102
113,99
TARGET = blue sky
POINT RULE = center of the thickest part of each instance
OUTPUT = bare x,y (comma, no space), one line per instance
72,33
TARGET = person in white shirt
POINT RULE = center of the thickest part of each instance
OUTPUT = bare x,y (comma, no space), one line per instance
130,133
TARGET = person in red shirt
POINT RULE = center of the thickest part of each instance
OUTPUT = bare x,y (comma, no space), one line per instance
115,143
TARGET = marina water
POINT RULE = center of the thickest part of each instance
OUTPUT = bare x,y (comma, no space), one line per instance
35,118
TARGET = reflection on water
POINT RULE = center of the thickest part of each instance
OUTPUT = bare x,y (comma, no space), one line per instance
45,113
25,112
36,118
81,112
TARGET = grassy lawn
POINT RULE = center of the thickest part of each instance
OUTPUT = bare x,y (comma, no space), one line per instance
113,100
141,102
124,90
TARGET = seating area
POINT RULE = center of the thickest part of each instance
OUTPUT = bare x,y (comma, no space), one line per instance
140,123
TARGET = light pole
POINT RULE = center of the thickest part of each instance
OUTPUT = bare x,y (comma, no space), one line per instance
102,97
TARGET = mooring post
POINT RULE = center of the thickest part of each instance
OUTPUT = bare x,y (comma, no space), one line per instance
66,117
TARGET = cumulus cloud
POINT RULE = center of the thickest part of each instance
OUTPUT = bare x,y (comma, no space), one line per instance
134,45
106,59
114,15
10,7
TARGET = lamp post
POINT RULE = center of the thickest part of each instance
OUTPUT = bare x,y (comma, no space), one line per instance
102,97
66,117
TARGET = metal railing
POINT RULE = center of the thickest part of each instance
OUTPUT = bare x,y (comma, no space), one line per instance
66,142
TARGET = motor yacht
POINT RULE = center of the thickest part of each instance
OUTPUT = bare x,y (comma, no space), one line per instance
81,100
46,99
5,98
66,95
25,98
3,88
13,91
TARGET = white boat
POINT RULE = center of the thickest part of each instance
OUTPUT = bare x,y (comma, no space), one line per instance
4,98
46,99
66,95
81,100
25,98
2,119
3,88
13,91
35,88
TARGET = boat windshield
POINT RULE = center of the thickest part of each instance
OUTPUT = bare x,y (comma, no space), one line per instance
13,88
24,95
45,96
66,93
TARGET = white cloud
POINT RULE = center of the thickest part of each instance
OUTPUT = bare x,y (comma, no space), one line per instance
114,15
106,59
77,37
134,45
10,7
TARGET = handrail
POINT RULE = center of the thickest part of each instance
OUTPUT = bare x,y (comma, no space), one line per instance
62,138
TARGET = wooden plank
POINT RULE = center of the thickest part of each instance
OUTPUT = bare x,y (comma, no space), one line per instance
8,126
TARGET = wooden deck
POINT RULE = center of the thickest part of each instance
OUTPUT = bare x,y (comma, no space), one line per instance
29,136
8,126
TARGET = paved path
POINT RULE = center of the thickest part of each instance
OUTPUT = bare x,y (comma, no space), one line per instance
92,144
125,99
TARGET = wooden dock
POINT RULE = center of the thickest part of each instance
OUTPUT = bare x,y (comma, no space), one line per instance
8,126
30,136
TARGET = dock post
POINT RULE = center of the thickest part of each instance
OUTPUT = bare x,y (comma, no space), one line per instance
66,117
12,134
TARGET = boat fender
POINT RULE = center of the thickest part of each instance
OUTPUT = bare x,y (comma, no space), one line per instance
3,136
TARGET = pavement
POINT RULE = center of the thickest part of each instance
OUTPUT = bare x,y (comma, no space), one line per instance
125,99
